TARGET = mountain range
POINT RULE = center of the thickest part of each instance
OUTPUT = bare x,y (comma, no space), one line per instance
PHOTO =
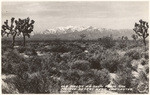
74,32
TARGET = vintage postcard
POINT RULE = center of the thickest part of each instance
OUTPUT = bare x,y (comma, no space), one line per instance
74,47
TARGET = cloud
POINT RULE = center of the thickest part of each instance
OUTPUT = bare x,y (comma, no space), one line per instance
53,14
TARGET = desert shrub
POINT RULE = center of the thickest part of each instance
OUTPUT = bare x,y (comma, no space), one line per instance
93,48
21,49
125,77
10,60
121,45
60,48
63,65
124,73
95,63
12,57
81,65
30,51
87,78
7,68
6,47
133,54
42,83
80,56
107,42
143,76
147,70
109,60
35,64
71,77
145,55
20,69
135,44
101,77
124,62
144,62
39,82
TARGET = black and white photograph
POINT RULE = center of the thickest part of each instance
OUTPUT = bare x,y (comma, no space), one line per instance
74,47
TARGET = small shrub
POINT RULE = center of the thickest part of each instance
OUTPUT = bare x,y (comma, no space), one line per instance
145,55
21,49
122,45
81,65
101,77
10,60
109,60
60,48
144,62
107,42
125,77
71,77
30,51
133,54
87,78
34,64
63,65
95,64
20,68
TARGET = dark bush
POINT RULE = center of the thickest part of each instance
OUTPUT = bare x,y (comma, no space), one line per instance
146,56
21,49
122,45
81,65
30,51
71,77
107,42
60,48
10,60
12,57
63,65
87,78
101,77
34,64
125,77
95,64
133,54
20,68
109,60
7,68
144,62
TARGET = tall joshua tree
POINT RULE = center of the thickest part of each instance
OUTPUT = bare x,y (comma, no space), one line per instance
10,29
23,26
142,30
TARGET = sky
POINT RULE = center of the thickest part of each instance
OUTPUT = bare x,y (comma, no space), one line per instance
100,14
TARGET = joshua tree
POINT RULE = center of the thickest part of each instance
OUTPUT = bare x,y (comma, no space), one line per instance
135,37
124,38
82,36
10,29
23,26
142,30
26,27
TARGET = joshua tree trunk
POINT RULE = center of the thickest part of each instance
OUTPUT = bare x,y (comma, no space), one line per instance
144,41
24,40
13,41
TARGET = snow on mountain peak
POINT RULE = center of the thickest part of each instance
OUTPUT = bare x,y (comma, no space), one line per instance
68,29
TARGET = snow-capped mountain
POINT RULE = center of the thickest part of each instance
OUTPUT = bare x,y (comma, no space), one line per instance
69,29
74,32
